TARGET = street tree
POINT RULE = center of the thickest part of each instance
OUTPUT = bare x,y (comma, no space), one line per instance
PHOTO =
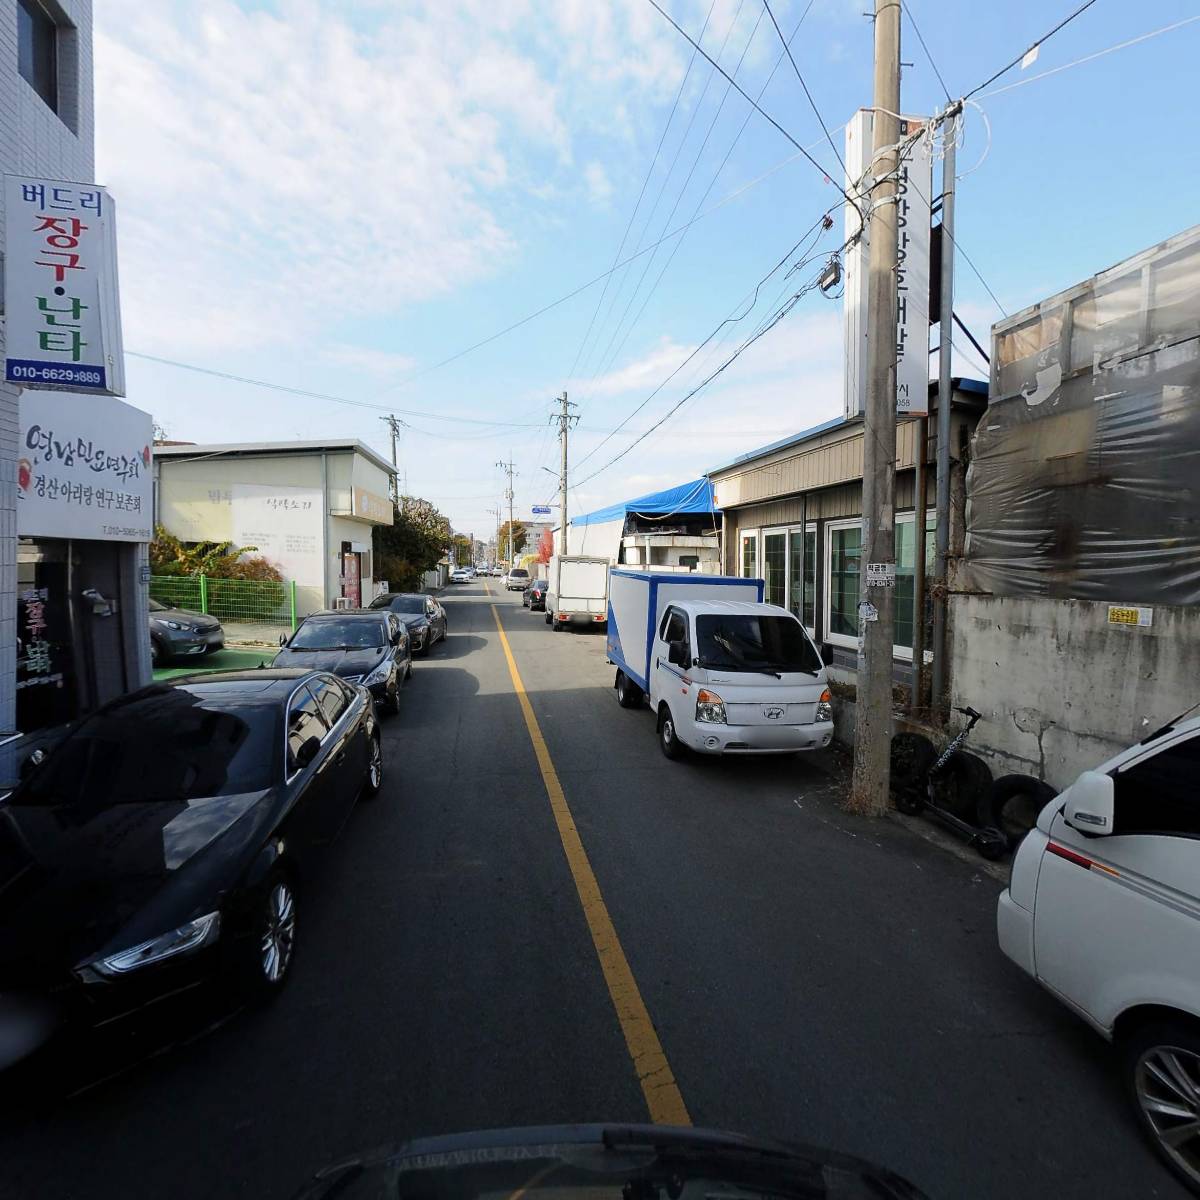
545,546
520,534
414,542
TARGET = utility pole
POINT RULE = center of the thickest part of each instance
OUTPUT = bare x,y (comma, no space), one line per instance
945,387
394,429
877,562
508,495
565,419
496,555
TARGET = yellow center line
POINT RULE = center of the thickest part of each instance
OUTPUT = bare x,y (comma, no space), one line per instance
649,1060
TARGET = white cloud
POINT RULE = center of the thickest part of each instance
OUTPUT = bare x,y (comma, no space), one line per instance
599,187
380,364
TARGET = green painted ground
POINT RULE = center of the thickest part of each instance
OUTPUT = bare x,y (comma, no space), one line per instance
223,660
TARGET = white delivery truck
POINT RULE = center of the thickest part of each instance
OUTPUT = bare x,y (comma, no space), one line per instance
576,590
723,672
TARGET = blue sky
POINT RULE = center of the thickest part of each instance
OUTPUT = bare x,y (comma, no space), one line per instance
335,197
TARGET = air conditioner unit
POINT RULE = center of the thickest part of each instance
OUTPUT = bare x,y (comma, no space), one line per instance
342,602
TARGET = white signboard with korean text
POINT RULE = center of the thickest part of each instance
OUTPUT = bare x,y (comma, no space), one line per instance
912,271
61,300
83,468
284,523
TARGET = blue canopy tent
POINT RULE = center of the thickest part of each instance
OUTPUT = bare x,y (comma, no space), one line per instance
599,533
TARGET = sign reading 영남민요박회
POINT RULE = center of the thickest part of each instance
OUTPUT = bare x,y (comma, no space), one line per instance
62,306
83,468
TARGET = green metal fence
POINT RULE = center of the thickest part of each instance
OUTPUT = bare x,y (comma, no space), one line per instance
251,601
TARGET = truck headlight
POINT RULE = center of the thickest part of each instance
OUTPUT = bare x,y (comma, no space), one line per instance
189,936
710,707
825,707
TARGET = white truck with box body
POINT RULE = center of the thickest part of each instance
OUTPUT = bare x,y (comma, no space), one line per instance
576,590
723,672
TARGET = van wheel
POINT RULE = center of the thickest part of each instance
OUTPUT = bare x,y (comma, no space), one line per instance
629,695
549,618
668,740
1161,1072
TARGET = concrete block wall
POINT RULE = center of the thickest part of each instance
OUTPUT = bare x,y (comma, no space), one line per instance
34,140
1060,688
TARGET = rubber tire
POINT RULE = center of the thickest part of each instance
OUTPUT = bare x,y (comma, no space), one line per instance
991,812
668,743
911,754
1165,1032
558,626
252,983
158,656
629,695
549,618
991,844
961,783
391,702
408,669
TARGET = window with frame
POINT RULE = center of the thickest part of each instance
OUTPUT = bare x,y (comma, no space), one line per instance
331,698
676,627
845,551
906,574
1158,795
304,721
749,556
775,567
37,50
802,575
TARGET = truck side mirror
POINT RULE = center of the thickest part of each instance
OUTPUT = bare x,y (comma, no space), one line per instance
1089,804
677,653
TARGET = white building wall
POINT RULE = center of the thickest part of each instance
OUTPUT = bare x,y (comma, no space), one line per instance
35,141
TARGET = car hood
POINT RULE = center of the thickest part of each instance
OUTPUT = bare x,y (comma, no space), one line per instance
75,884
339,662
185,617
412,619
599,1162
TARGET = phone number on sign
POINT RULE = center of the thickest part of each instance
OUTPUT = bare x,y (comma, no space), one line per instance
18,373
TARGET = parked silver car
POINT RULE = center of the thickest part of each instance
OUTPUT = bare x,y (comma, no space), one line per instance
178,633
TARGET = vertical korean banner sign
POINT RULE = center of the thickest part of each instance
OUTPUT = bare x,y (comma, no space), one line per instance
61,300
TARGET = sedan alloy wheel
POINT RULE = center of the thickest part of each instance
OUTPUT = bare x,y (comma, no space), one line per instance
1166,1088
279,934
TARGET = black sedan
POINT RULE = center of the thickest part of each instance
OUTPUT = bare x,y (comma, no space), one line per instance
534,596
424,616
162,844
362,646
179,633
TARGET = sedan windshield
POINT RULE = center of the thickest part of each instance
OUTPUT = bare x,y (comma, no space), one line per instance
400,604
338,635
748,642
167,746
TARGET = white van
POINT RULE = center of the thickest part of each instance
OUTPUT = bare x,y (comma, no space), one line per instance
723,676
1103,909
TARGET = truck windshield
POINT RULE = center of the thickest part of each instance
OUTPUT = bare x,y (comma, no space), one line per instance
747,642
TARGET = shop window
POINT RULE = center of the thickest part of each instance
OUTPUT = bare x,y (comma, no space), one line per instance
749,556
845,550
802,575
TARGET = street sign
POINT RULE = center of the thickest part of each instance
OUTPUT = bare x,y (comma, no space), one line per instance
541,510
61,304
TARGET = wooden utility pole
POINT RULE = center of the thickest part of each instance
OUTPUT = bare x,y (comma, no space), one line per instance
394,429
565,419
877,563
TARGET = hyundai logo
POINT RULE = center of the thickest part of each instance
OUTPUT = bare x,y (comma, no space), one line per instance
773,714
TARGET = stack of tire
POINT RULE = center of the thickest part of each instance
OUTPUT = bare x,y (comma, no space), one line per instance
965,788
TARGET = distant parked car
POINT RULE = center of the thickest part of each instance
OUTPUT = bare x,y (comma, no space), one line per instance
1101,910
178,633
460,575
498,571
158,845
424,616
364,646
534,596
516,580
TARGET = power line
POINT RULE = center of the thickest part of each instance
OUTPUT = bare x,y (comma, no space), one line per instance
917,30
637,204
812,103
1008,87
1044,38
762,111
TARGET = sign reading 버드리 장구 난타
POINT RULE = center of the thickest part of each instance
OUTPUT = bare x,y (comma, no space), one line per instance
62,305
83,468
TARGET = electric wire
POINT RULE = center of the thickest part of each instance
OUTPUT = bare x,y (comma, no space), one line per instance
917,30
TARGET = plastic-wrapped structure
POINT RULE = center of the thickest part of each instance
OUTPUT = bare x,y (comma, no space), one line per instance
1084,479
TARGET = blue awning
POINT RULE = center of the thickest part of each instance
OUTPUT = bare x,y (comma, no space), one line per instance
687,498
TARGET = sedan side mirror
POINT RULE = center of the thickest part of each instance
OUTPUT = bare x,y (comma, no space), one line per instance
309,749
1089,804
283,639
677,653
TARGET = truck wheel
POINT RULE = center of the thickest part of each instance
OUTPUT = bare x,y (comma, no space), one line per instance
549,618
1011,806
668,741
629,695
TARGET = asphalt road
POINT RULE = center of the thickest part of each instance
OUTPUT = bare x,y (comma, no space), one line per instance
809,975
